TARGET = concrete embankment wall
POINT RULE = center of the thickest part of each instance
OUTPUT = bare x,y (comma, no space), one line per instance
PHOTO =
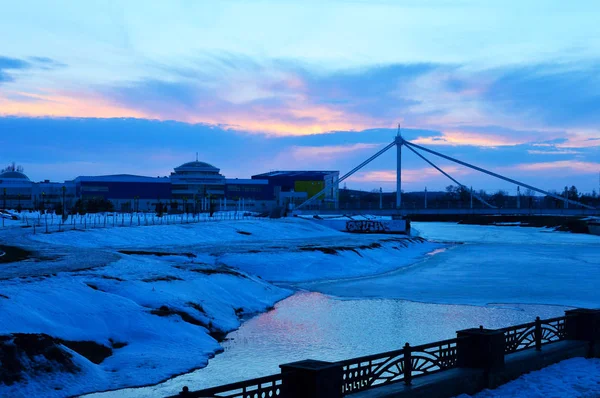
366,226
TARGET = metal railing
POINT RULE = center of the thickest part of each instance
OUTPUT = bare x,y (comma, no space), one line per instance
403,365
268,386
533,334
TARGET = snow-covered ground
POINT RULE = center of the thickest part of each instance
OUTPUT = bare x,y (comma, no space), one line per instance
156,295
125,302
576,377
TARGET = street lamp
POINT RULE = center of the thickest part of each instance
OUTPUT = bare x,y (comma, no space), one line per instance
64,189
43,202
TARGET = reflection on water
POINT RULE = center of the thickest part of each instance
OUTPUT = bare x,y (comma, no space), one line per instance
316,326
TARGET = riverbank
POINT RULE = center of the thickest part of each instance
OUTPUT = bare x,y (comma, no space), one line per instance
122,307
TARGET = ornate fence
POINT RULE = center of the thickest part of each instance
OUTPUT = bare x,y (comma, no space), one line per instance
403,365
534,334
268,386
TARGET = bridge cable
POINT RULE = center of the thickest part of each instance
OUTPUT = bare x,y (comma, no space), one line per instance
410,144
477,196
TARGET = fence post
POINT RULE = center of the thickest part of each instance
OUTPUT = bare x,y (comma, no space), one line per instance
310,378
480,348
538,334
407,365
584,324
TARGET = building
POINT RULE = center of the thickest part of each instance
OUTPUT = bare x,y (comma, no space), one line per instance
294,187
194,186
54,195
197,179
16,190
256,195
126,192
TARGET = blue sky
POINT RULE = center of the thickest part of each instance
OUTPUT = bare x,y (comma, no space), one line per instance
139,87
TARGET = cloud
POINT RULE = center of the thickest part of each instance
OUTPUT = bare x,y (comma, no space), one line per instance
552,152
13,63
63,105
444,105
10,66
329,151
579,167
469,138
419,175
555,95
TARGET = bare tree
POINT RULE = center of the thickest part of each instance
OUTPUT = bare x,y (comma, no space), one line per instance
13,167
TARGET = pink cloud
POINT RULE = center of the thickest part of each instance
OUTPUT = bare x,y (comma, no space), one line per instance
408,175
57,104
330,151
569,166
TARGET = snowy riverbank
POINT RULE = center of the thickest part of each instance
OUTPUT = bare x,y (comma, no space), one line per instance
576,377
155,299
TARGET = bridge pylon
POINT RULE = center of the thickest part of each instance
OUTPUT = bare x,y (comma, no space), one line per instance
399,141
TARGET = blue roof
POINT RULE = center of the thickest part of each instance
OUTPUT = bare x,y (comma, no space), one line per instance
242,181
297,174
123,178
14,174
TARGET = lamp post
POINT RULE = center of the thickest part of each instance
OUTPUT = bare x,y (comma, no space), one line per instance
43,202
64,189
4,199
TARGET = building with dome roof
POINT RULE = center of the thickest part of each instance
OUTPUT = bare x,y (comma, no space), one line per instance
197,179
15,189
195,186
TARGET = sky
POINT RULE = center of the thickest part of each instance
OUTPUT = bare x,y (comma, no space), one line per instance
138,87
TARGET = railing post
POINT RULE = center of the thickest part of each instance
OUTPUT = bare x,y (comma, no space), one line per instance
584,324
480,348
312,379
407,365
538,334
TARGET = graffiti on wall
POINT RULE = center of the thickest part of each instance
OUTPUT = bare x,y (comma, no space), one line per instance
367,226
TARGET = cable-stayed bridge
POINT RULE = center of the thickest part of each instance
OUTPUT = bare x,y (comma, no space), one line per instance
570,206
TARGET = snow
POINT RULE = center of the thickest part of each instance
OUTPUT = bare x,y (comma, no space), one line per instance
81,288
311,264
206,233
575,377
87,306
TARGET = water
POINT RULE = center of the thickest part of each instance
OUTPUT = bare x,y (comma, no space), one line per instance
370,315
317,326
